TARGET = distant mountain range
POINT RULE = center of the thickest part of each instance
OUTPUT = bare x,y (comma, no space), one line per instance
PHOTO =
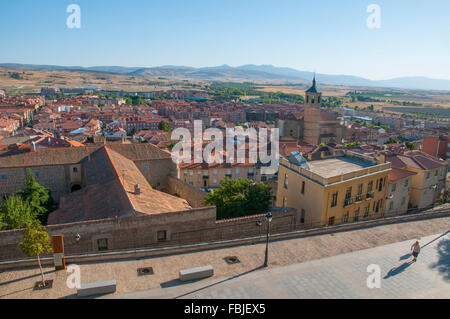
249,72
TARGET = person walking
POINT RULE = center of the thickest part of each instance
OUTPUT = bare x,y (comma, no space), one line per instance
415,250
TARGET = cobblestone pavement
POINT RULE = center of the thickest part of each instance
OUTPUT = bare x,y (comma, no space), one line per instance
342,276
309,252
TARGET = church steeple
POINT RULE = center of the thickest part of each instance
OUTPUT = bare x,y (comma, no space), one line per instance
313,97
313,88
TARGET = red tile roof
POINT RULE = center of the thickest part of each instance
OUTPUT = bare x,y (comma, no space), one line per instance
109,180
397,173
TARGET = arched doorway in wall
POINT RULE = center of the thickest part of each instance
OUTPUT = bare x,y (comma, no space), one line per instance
75,188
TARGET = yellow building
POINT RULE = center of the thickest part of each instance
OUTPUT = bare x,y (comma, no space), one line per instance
336,188
428,184
209,176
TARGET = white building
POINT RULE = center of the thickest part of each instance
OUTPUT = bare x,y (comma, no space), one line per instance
399,191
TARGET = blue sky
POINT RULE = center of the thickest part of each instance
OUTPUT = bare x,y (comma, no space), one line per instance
320,35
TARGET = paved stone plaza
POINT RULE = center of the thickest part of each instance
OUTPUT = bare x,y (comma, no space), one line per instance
342,276
299,268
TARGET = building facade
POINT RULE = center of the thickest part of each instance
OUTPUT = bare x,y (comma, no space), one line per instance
339,188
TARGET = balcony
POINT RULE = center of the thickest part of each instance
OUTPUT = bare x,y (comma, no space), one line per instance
370,195
359,198
348,202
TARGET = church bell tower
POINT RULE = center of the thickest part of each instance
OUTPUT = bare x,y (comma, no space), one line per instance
311,117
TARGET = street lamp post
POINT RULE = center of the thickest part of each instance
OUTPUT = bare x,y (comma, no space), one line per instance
268,219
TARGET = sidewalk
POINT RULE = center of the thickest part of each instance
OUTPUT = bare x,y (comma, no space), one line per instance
342,276
311,250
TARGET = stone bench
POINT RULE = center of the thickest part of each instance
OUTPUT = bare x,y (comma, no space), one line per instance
196,273
96,288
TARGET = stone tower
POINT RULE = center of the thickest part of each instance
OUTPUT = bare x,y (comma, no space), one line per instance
311,117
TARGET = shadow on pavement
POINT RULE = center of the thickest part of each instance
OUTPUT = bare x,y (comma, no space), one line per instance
405,257
397,270
217,283
177,282
443,264
444,234
25,278
16,292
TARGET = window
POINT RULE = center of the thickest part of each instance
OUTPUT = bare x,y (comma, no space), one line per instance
75,170
436,173
403,201
345,217
391,205
3,177
334,199
380,185
406,183
162,235
237,170
348,196
428,175
285,181
366,211
359,195
370,186
303,187
331,221
356,215
377,209
302,218
36,174
284,201
102,244
215,172
394,187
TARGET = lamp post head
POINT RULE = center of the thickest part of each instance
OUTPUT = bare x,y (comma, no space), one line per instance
269,217
77,237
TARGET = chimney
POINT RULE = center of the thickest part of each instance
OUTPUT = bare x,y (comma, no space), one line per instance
137,189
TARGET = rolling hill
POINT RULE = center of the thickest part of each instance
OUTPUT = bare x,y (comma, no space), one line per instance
249,73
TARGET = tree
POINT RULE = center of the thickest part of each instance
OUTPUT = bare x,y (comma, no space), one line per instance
392,141
410,145
35,243
38,197
163,125
133,131
236,198
16,213
352,144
